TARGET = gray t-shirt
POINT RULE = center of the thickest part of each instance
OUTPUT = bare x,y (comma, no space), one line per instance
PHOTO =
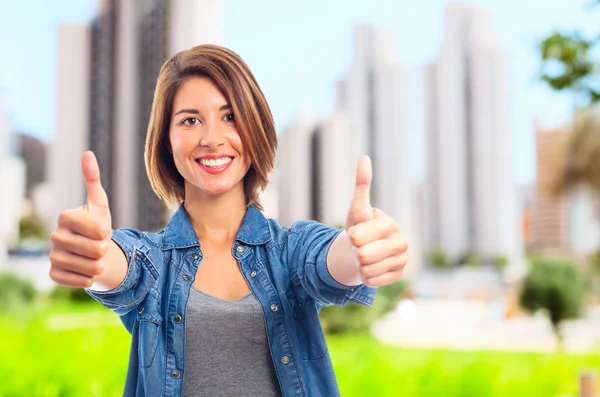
226,348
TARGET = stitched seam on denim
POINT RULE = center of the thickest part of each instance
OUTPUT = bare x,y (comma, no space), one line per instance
318,358
275,244
357,289
363,299
195,243
149,241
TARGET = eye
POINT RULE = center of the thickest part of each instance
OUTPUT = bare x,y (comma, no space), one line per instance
190,121
229,117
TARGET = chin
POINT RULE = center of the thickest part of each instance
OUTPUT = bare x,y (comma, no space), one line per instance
216,190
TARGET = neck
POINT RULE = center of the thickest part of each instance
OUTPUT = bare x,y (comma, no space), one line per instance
216,218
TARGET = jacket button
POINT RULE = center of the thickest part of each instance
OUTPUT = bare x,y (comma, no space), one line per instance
274,307
175,374
140,310
195,255
253,274
177,318
186,277
240,248
285,359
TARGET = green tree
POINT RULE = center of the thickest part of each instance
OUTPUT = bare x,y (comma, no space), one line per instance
570,63
15,292
556,287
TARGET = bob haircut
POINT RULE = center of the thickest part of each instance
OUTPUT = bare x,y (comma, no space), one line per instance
252,117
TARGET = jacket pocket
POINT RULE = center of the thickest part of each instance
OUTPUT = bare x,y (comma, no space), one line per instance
149,322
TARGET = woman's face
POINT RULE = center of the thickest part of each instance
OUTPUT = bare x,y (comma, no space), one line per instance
207,148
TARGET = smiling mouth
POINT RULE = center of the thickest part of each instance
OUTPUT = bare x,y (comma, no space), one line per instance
215,163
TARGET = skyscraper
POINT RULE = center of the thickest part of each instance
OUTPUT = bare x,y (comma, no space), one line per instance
12,174
550,212
102,123
316,174
561,221
470,193
373,95
293,168
72,119
130,40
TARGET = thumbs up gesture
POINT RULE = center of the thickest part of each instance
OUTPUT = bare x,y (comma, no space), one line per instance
81,240
380,249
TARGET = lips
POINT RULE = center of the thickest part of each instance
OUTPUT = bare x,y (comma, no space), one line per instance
214,164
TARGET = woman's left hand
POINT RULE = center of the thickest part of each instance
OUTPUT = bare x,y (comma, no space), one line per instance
381,250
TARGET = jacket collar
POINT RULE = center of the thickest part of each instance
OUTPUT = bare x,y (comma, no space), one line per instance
179,233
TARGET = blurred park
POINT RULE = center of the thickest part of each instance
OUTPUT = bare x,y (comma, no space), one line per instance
484,130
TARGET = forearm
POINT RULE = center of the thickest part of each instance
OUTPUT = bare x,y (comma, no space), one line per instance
114,269
342,263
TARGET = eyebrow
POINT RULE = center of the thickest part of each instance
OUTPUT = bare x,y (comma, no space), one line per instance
195,111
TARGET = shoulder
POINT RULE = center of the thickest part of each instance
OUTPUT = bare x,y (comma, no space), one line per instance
134,238
299,229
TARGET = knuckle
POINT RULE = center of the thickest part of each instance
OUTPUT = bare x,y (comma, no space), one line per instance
51,273
403,242
62,218
54,237
365,272
55,275
103,247
97,249
57,237
97,267
100,230
353,236
54,257
362,255
104,231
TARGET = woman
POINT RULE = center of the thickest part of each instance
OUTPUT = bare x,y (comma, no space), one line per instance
222,302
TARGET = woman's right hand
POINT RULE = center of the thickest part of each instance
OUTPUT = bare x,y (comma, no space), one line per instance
82,238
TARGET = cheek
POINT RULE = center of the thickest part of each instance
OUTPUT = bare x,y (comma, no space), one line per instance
178,145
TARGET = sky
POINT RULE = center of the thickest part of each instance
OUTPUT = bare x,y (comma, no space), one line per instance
298,50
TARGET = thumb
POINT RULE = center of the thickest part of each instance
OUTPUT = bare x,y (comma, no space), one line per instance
97,201
360,208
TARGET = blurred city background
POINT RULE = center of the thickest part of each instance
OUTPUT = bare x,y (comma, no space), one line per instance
482,123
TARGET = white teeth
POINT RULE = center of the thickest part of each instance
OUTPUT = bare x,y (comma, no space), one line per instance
215,163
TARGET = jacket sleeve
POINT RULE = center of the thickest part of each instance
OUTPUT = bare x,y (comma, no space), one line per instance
307,245
142,273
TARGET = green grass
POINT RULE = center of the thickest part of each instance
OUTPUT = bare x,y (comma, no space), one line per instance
42,362
366,367
39,358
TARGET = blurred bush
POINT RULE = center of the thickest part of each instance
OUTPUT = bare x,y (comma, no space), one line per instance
438,259
356,318
62,293
556,287
468,259
15,291
500,261
31,226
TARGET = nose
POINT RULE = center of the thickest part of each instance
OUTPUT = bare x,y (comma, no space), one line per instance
211,136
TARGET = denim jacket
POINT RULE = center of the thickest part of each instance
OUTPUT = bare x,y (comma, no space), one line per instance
285,269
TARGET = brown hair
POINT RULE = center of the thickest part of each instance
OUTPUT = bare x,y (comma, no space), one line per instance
252,114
